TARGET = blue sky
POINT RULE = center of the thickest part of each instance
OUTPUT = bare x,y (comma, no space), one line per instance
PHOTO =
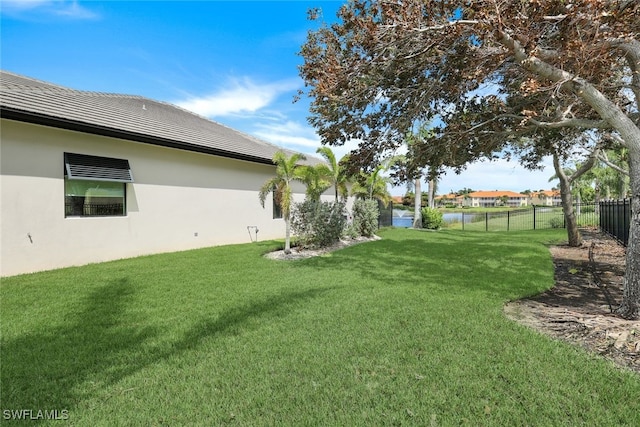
234,62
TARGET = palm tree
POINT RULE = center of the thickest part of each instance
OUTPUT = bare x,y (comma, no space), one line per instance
412,140
287,171
316,178
372,186
616,176
335,172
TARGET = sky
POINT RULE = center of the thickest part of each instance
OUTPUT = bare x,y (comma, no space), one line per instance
234,62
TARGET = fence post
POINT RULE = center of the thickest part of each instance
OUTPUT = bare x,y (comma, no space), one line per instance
508,219
486,221
615,216
628,210
534,217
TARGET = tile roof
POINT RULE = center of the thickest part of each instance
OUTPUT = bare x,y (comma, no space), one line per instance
548,193
476,194
127,116
448,196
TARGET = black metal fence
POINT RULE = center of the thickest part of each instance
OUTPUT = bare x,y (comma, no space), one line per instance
615,219
531,218
496,219
612,217
385,219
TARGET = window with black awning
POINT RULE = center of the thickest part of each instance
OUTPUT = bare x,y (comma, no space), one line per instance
94,168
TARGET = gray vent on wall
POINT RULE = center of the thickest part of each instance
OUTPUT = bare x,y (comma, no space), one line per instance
82,166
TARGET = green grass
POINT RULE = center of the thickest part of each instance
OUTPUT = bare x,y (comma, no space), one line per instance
520,220
407,330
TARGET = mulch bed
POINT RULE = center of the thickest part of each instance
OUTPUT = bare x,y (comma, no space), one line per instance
578,309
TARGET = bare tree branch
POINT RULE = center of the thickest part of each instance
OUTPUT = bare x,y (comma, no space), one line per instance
602,156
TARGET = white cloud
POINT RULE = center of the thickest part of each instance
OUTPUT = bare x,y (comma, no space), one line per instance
63,8
298,137
75,11
289,134
254,108
23,4
241,96
496,175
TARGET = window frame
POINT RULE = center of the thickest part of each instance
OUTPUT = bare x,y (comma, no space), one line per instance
276,208
95,173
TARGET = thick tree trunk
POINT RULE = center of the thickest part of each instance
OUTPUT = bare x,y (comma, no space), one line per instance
432,193
573,234
417,205
630,307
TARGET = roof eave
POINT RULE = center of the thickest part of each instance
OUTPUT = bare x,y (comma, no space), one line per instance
74,125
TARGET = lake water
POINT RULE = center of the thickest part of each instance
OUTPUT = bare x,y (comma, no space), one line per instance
407,221
402,221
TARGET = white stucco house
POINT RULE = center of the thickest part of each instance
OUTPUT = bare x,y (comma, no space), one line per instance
546,198
489,199
89,177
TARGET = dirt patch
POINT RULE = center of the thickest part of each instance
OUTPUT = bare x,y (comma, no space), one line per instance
578,309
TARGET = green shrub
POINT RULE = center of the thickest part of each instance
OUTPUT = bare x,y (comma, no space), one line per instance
318,224
432,218
556,222
365,217
350,231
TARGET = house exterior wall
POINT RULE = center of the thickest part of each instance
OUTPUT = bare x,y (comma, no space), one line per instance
490,201
179,200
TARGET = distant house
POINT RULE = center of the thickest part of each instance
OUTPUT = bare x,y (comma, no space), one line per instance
489,199
450,199
89,177
546,198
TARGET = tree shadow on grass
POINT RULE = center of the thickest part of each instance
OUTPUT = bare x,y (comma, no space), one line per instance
58,367
42,369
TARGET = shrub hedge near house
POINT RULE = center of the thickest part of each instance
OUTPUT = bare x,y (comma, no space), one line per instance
365,217
318,224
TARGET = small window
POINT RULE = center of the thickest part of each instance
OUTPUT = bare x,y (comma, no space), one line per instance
277,210
94,198
95,186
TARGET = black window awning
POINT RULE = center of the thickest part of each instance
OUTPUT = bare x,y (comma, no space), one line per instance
82,166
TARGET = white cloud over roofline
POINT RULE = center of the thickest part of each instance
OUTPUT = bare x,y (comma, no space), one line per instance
299,137
241,96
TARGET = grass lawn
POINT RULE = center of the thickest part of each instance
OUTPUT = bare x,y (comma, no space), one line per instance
520,220
407,330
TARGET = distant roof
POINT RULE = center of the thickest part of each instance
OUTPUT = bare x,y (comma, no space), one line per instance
130,117
496,193
548,193
449,196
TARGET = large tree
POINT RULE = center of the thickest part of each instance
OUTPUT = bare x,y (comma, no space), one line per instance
491,72
568,178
